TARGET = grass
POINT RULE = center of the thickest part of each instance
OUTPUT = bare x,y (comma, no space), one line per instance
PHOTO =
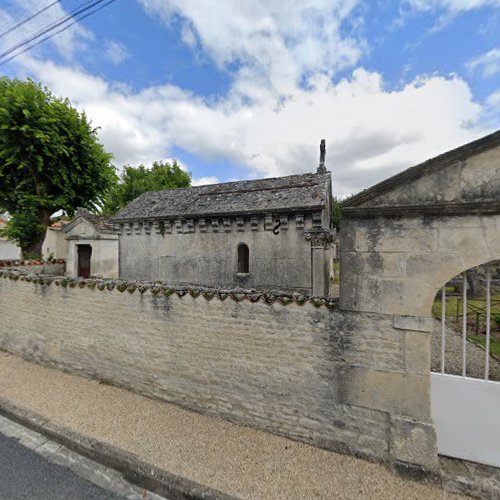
494,343
452,303
336,267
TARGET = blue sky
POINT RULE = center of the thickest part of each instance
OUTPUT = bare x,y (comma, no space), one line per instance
246,89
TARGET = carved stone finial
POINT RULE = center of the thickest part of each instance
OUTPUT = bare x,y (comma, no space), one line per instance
322,155
319,238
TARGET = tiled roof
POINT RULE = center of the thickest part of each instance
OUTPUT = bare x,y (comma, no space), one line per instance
305,192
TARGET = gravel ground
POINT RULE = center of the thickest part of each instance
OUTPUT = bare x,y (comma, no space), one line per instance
237,460
453,357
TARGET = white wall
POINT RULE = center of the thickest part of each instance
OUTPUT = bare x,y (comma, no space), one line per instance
104,259
54,244
9,250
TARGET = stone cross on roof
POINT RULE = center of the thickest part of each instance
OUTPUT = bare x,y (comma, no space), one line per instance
322,155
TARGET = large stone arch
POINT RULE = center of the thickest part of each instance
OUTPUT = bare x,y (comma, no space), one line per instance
400,241
396,265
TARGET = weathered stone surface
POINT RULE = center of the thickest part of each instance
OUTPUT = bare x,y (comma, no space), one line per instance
466,174
269,366
418,323
413,441
418,352
369,340
397,393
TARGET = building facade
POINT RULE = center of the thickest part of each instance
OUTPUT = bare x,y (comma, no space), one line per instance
92,246
263,234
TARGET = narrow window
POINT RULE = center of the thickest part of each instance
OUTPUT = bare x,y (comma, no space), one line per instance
243,259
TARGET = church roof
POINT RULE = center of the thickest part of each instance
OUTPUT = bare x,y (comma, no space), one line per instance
305,192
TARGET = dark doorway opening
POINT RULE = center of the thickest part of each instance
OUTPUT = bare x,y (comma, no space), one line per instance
84,255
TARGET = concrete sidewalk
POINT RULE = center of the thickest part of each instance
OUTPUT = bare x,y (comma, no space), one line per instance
238,461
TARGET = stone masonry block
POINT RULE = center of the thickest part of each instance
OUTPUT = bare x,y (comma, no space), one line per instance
418,323
413,442
418,352
394,392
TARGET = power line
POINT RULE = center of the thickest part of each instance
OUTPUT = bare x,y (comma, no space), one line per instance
28,19
71,15
49,30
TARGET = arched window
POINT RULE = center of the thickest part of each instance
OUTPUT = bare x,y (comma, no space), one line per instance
243,259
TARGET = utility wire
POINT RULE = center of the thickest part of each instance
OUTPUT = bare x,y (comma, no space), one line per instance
49,30
71,15
28,19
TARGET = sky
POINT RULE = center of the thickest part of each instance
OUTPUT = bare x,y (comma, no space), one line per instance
245,89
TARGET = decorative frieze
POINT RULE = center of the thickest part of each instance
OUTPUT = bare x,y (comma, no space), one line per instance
268,223
316,218
166,290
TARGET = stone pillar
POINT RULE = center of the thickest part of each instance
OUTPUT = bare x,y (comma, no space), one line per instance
320,266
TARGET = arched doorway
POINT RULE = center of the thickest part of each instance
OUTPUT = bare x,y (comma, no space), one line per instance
465,379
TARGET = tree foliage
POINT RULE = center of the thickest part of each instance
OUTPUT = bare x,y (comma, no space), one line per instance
336,211
137,180
50,160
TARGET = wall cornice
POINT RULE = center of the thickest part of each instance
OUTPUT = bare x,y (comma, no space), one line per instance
437,209
166,290
273,221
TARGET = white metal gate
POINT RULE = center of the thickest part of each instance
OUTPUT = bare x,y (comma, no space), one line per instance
466,407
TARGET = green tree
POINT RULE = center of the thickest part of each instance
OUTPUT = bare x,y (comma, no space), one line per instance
336,211
137,180
50,160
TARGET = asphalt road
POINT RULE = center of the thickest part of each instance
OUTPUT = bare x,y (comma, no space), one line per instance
24,474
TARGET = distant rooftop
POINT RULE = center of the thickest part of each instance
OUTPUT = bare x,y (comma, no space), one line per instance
294,193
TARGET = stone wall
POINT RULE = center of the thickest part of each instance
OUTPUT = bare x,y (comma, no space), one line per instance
283,368
396,265
204,252
52,268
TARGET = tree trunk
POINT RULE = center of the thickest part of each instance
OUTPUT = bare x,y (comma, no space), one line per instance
34,248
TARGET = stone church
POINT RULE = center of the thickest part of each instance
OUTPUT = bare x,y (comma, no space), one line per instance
272,234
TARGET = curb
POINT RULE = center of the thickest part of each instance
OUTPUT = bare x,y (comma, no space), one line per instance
132,468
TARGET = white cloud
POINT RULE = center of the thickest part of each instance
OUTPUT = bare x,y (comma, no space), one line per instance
116,52
451,6
202,181
67,42
282,101
371,133
274,43
488,63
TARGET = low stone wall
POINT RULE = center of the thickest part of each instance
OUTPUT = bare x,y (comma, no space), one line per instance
52,268
288,364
